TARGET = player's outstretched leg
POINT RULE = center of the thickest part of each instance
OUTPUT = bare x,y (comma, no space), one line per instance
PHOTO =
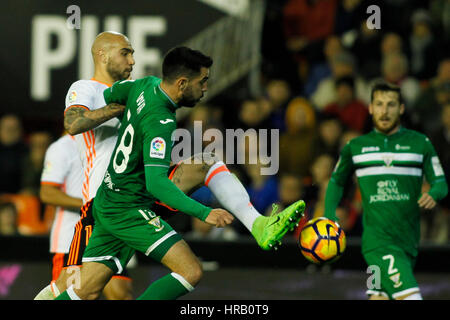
268,231
231,194
205,169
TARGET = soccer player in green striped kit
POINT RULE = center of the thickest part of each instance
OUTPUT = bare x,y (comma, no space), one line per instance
137,176
389,163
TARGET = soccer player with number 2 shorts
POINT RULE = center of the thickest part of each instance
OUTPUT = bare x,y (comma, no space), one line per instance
389,163
137,177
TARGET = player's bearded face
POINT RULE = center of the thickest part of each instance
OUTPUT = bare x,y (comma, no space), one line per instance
189,99
386,111
195,89
120,62
117,70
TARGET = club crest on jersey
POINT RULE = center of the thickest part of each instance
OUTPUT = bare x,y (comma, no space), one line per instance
388,159
47,168
72,96
156,223
158,148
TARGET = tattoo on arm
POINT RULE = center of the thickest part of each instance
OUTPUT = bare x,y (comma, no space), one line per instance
78,119
177,175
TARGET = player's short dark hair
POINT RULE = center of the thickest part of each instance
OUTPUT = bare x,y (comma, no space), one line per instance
183,61
386,87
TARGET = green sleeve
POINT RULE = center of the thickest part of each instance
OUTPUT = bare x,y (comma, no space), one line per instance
438,190
118,92
333,196
344,167
157,149
162,188
335,188
434,173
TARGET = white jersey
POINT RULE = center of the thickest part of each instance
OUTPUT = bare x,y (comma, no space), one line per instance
97,145
62,168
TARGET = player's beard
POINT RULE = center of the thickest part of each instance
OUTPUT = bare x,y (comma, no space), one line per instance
188,99
116,73
386,130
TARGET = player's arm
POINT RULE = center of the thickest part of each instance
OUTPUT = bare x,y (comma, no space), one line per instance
162,188
52,194
335,188
435,176
79,119
57,164
157,151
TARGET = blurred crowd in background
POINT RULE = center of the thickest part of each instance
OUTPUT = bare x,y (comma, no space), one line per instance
319,62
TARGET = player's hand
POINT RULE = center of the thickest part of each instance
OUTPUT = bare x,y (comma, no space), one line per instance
219,218
426,201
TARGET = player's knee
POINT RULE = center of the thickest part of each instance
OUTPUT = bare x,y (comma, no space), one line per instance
94,295
117,294
206,159
210,158
199,165
194,274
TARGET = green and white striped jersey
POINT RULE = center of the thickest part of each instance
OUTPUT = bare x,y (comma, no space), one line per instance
390,171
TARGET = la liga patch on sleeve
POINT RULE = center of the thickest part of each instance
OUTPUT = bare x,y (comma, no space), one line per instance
158,148
72,96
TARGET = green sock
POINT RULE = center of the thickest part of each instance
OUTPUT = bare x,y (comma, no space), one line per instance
63,296
69,294
169,287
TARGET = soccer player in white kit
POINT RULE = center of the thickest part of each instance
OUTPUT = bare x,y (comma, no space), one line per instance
60,186
94,126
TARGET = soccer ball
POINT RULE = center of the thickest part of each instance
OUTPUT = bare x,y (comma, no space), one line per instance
322,240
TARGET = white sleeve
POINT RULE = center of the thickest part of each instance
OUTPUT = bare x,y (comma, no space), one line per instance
56,164
81,93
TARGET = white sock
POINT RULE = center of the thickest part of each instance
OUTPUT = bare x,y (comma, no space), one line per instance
231,194
414,296
72,294
45,294
183,281
55,289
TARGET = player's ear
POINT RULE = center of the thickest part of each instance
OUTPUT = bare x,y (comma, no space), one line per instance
182,83
402,108
370,108
102,56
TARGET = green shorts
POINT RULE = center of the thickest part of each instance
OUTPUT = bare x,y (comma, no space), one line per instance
392,272
117,235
